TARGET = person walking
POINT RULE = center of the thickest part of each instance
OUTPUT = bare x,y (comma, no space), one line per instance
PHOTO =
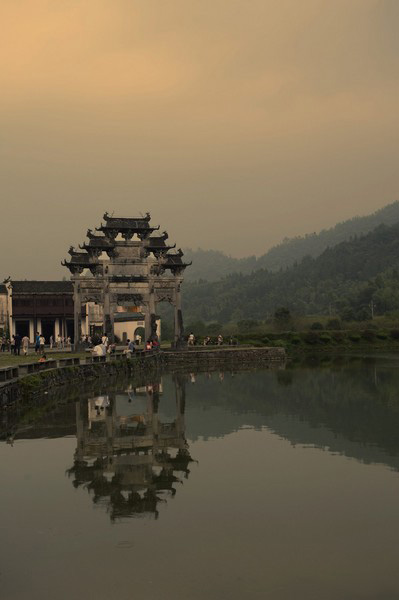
37,342
58,342
12,344
17,347
25,345
51,342
42,343
191,339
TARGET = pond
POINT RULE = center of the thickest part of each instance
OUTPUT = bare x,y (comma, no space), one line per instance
278,484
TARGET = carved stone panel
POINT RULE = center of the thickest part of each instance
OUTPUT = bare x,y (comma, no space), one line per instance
129,299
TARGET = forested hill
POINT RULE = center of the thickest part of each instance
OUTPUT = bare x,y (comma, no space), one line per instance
342,279
293,249
213,265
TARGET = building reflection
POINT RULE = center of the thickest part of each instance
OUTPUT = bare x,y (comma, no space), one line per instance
127,457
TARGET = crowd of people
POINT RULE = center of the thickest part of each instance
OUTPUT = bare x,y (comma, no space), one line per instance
208,341
17,343
98,346
104,347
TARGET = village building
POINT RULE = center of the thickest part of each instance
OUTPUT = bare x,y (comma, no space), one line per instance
44,306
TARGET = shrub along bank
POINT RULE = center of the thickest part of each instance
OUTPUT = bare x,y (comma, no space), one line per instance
292,341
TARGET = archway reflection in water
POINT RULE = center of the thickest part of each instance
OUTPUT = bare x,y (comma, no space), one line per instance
126,456
280,484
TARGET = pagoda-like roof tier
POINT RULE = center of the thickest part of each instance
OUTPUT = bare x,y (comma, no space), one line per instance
121,227
98,241
112,220
82,259
156,244
121,224
174,262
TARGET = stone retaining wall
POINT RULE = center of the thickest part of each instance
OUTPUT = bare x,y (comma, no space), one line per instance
30,381
229,358
35,384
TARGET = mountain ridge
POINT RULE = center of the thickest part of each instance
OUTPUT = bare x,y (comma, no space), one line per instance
212,265
344,278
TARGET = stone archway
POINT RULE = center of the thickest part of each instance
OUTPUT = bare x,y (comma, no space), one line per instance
126,263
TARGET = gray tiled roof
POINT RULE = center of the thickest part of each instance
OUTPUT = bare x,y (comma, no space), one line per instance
42,287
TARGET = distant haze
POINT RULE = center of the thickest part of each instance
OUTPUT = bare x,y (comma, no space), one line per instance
234,123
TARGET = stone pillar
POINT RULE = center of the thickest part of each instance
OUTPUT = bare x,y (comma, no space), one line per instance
147,322
152,309
77,314
32,331
178,317
80,428
153,398
111,335
180,388
107,315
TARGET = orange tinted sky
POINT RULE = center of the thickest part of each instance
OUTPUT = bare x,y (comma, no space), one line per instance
234,122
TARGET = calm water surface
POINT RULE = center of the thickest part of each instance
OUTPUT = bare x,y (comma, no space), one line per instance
270,484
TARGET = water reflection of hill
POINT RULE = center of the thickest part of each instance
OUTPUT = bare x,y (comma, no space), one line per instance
352,409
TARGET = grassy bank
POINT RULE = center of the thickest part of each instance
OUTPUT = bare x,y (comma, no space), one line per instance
7,359
352,340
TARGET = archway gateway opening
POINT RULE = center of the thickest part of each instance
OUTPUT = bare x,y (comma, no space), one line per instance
139,335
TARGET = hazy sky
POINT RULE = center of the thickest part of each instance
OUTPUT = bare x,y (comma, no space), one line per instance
234,122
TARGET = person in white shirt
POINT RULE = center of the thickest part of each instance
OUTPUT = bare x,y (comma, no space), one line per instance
42,341
99,350
25,345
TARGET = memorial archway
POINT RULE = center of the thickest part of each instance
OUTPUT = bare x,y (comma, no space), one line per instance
126,265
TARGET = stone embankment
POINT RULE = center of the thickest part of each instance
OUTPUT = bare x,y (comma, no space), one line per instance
28,380
32,379
208,358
